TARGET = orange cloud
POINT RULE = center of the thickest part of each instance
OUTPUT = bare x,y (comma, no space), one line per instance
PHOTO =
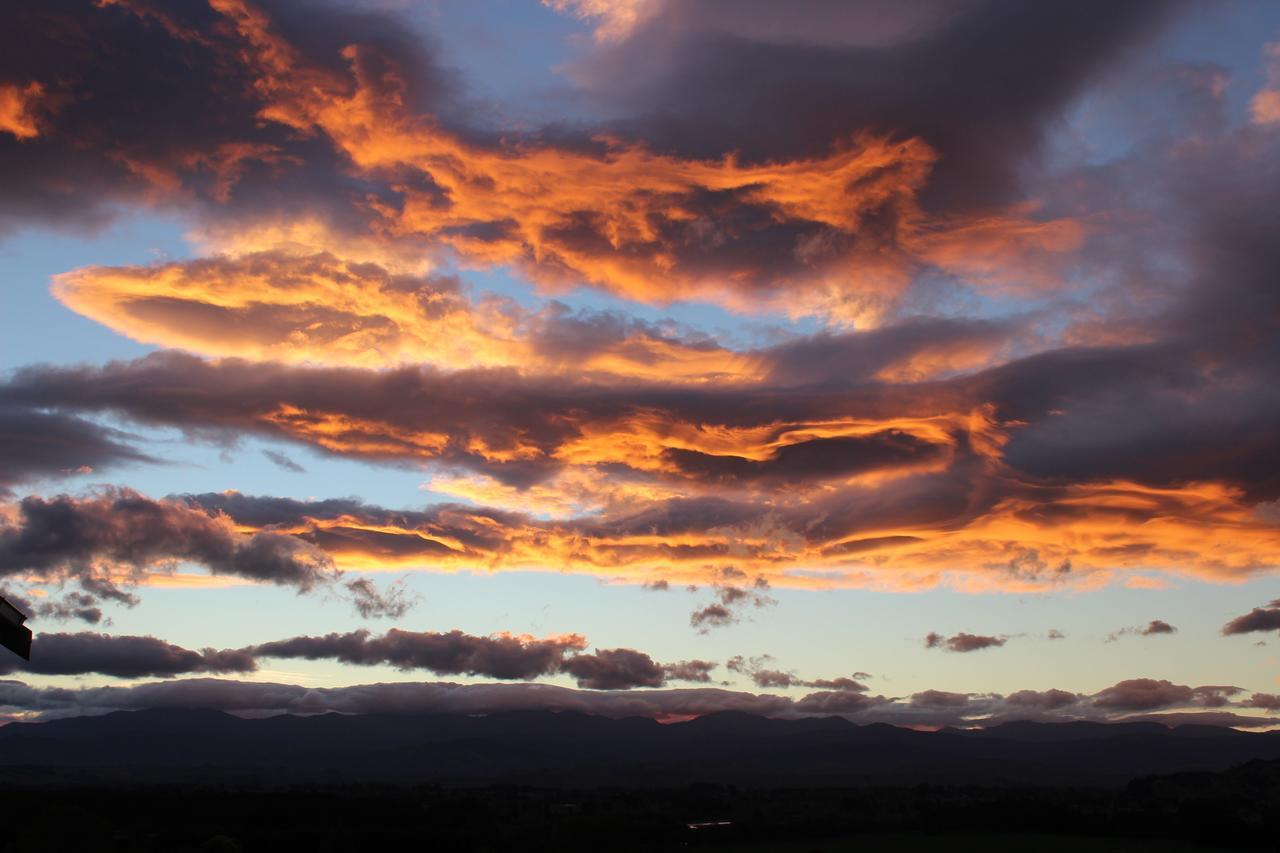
322,309
19,106
1265,106
637,222
614,19
1202,531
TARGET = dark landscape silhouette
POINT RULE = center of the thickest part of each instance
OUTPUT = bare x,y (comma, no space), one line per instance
199,779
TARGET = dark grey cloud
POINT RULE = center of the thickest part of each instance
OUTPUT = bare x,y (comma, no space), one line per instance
373,603
148,103
72,605
730,601
69,537
810,460
1044,700
939,699
1147,694
614,669
91,539
123,656
978,81
282,461
38,444
688,670
449,653
714,615
1265,701
1152,628
501,656
1265,618
963,642
763,674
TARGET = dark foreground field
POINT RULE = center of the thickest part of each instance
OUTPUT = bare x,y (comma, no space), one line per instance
179,781
1236,810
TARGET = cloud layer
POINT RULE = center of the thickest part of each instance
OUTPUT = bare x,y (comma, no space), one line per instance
1127,700
970,338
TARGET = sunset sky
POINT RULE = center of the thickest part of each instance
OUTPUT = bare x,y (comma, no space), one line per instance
911,361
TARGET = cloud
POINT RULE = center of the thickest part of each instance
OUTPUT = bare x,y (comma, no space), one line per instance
758,670
705,77
613,669
1155,626
959,512
328,169
124,656
1146,694
498,656
39,444
451,653
73,605
280,123
120,536
196,137
730,599
1258,619
1136,699
1265,105
322,309
688,670
963,642
19,108
121,529
503,656
1265,701
372,603
283,462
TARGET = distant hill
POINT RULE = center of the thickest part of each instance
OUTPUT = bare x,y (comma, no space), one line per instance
568,748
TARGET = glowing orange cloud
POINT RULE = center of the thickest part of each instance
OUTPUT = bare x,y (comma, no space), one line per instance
1265,106
629,219
19,106
1202,531
323,309
615,19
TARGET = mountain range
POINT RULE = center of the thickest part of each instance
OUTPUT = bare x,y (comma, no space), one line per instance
570,748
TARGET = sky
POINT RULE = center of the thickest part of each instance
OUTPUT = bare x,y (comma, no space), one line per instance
908,361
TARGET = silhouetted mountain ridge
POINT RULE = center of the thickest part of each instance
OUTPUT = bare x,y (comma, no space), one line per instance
543,747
